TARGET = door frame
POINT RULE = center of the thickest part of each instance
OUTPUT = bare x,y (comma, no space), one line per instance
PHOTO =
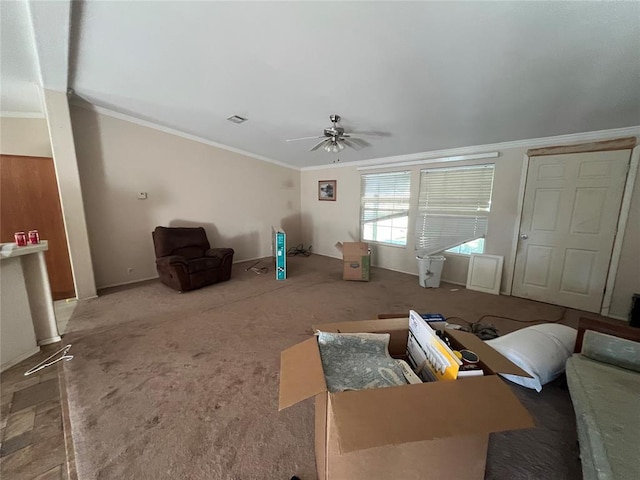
632,173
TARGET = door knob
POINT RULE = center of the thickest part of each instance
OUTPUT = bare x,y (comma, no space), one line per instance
524,236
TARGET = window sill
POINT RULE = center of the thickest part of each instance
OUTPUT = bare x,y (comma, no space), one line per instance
466,255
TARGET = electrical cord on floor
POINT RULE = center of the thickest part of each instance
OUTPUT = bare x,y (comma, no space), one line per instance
488,331
299,250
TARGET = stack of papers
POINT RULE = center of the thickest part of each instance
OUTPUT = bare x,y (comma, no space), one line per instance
430,357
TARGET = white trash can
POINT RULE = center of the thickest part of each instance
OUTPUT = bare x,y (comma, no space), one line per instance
430,270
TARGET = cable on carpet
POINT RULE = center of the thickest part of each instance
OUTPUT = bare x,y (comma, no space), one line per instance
487,331
299,250
255,269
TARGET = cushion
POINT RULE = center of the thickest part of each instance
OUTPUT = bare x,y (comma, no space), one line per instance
356,361
167,240
201,264
189,252
540,350
605,400
612,350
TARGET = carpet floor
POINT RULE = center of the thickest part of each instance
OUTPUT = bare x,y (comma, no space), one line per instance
185,386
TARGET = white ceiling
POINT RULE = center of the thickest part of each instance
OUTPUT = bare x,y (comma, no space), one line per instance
19,73
431,75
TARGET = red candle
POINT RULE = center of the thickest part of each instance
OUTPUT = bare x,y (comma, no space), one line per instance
21,239
34,237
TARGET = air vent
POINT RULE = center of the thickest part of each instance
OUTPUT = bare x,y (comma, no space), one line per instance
236,119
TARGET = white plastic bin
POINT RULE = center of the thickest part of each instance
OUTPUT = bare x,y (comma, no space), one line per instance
430,270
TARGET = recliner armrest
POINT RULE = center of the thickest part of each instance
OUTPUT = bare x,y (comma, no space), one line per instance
171,260
219,252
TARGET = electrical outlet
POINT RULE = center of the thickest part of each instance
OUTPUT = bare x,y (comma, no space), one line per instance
129,270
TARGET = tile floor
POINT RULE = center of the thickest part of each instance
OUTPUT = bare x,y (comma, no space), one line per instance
31,422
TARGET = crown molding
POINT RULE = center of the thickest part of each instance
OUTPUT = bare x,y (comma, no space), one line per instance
22,115
384,162
172,131
381,162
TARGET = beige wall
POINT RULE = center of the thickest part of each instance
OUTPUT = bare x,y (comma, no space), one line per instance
236,198
324,223
24,136
628,276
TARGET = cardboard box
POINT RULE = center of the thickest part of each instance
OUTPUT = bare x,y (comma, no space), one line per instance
423,431
356,260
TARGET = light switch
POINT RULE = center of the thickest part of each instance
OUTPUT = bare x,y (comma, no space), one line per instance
142,195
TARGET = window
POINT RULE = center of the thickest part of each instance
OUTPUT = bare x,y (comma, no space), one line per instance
453,208
384,211
467,248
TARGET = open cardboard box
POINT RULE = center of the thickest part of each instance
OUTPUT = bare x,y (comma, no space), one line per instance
430,430
356,260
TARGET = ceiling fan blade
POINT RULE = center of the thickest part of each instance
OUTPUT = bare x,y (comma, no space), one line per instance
304,138
360,142
351,144
319,144
371,134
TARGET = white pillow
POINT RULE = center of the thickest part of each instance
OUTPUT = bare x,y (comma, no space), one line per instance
540,350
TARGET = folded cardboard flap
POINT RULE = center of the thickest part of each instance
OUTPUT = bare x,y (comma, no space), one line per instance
490,357
354,249
389,416
301,373
385,325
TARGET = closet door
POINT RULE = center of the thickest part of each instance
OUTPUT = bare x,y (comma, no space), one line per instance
569,219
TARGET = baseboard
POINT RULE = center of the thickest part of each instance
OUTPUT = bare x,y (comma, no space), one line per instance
111,285
396,270
102,287
19,358
251,259
373,265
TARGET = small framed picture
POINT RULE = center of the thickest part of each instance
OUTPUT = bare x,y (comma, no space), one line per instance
327,190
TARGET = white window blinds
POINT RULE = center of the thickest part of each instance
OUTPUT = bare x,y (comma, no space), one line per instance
384,212
453,208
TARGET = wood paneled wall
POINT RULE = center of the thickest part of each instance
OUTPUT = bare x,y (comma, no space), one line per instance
29,200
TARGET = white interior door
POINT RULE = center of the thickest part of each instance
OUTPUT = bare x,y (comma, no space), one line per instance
569,220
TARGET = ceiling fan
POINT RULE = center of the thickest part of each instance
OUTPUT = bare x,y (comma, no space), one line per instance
334,138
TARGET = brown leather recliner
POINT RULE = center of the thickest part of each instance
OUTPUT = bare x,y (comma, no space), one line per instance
185,260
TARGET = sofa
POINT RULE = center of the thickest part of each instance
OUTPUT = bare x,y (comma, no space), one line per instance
604,383
185,260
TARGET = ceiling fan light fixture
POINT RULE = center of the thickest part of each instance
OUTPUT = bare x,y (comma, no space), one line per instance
334,139
334,146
